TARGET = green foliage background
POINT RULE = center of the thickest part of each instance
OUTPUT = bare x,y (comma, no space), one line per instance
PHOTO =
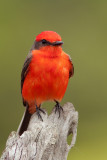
83,27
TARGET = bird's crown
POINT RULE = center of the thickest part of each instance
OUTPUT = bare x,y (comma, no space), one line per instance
50,36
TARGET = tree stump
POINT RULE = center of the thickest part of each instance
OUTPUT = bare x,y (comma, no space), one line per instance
45,140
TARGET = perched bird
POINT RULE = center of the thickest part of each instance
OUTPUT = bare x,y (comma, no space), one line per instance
45,75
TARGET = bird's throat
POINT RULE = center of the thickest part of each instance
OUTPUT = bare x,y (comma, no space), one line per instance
51,51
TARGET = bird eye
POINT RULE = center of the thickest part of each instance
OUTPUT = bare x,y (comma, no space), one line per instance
44,41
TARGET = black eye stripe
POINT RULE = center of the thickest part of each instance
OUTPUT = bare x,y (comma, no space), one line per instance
44,41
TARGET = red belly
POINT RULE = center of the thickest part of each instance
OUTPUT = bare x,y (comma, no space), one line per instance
47,79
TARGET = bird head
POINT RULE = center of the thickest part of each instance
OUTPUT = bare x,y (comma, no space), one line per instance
47,40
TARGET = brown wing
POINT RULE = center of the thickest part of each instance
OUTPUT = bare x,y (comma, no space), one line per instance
24,72
71,72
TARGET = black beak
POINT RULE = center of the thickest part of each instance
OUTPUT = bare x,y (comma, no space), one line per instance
57,43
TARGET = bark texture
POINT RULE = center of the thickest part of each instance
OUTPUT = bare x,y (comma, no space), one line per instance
45,140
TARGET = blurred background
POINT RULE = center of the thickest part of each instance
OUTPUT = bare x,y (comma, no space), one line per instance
82,25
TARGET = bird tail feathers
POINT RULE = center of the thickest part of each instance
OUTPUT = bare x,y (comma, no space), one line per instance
24,122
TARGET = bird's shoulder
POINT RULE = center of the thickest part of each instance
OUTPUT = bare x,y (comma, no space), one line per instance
69,62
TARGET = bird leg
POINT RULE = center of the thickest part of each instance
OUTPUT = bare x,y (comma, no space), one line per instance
38,110
58,108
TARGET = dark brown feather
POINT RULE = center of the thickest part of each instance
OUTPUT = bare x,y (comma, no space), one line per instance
71,72
24,72
25,122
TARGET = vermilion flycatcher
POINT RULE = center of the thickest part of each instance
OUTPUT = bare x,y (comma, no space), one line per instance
45,75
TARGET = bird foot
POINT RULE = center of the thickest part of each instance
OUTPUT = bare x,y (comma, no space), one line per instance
38,110
58,108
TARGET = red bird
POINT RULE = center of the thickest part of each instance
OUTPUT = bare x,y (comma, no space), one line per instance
45,75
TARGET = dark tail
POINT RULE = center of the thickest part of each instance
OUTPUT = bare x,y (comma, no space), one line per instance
24,122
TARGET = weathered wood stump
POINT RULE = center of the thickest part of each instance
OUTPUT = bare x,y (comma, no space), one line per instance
45,140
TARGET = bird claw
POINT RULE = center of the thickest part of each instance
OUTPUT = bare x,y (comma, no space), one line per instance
58,108
38,110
